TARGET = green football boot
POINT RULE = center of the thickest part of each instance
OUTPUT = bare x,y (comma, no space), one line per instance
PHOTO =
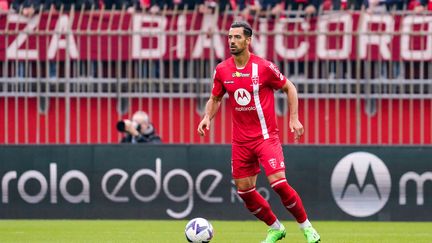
274,235
311,235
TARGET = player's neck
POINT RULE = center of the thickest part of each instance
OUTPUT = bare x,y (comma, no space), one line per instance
242,59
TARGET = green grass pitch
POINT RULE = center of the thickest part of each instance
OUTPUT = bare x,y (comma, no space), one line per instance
160,231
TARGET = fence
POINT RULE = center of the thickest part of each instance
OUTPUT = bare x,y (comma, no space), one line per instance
68,77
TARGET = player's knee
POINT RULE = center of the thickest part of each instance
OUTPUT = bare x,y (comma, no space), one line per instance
247,195
284,190
252,199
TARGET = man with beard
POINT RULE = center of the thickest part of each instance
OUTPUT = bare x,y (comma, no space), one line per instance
250,82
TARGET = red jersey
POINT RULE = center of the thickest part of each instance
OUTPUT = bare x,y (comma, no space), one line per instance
251,94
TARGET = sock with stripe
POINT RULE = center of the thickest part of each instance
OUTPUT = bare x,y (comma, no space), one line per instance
257,205
290,199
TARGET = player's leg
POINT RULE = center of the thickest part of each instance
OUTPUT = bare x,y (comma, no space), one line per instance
293,203
253,201
289,197
245,168
272,159
258,206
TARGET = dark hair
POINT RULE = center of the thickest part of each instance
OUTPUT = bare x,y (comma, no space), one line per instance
247,29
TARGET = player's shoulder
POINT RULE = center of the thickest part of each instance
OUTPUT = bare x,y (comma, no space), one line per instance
269,67
261,61
227,63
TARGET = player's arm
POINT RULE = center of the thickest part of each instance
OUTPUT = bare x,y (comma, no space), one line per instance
211,108
295,124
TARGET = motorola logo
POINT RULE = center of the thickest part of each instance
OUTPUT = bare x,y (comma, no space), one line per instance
242,97
361,184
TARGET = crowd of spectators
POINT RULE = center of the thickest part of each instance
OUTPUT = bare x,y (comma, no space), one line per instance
246,7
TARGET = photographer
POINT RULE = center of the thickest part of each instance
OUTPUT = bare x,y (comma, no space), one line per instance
138,130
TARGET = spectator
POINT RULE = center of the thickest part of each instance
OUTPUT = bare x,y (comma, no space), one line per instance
260,7
208,7
310,7
27,7
276,7
143,4
138,130
374,6
203,6
237,5
67,4
120,4
157,5
417,5
351,4
4,6
226,5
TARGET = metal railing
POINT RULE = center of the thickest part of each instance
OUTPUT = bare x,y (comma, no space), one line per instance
68,77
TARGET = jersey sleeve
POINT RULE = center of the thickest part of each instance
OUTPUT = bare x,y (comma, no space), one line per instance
218,88
276,79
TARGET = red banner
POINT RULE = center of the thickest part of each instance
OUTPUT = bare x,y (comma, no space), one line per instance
121,35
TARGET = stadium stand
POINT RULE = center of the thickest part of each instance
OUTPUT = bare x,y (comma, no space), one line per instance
69,74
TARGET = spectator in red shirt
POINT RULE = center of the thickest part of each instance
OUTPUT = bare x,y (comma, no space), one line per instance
4,5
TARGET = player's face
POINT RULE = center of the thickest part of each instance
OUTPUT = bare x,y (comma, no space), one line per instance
237,41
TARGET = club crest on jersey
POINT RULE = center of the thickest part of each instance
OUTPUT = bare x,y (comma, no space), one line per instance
242,97
255,80
238,74
272,162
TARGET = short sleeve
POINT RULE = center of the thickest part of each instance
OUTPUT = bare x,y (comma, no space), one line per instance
276,79
218,88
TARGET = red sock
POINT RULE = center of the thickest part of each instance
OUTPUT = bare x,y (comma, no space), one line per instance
257,205
290,199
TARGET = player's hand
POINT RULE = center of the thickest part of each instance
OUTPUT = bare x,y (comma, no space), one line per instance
204,125
297,128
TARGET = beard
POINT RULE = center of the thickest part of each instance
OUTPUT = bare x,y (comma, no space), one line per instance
236,51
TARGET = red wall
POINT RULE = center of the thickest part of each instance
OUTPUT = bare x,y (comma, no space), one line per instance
326,121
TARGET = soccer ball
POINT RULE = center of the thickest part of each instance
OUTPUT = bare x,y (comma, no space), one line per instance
199,230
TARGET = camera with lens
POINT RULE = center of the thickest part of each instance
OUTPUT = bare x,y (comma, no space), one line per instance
123,125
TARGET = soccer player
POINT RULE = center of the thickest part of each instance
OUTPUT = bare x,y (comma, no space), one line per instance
250,82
